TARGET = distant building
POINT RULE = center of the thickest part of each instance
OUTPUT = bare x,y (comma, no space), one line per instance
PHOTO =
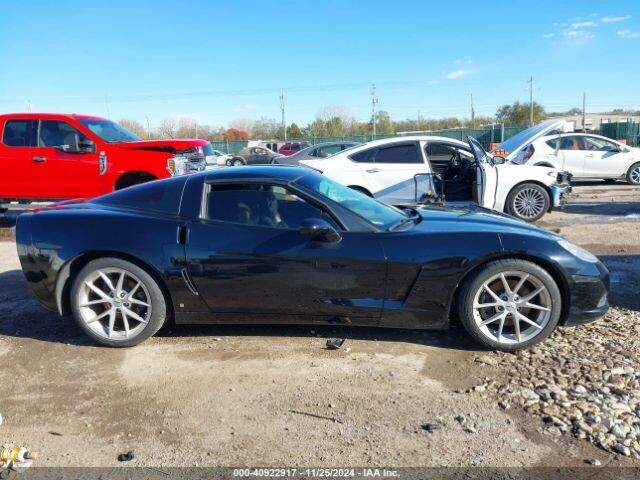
594,121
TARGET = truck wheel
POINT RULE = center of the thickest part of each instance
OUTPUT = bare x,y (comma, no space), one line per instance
131,179
528,202
633,175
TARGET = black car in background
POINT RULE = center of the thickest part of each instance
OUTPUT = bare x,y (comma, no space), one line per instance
271,244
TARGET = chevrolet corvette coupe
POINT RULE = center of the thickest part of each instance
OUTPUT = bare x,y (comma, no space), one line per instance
283,244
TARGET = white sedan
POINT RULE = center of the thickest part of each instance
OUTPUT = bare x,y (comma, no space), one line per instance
216,160
583,155
402,170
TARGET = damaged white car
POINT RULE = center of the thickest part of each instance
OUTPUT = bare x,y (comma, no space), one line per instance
424,169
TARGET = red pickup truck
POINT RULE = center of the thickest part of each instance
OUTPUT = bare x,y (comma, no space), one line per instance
48,157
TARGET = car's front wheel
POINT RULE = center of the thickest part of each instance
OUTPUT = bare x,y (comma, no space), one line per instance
509,304
633,175
117,303
528,202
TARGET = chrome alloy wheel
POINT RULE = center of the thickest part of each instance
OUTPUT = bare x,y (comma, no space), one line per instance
634,175
114,303
512,307
529,203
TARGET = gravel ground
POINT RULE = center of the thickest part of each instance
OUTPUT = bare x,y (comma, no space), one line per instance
243,395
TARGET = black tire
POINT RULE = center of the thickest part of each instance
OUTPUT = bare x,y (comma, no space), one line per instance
471,286
150,288
238,161
519,194
633,174
361,190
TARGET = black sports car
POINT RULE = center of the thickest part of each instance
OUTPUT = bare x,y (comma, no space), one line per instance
270,244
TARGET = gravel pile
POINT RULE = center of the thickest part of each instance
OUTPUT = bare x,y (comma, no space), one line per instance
582,381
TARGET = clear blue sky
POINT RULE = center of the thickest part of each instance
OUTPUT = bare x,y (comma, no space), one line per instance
219,61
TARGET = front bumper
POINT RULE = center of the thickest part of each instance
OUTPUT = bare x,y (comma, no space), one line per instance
560,195
588,297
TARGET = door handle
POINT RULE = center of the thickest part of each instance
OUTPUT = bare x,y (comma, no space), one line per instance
39,159
591,155
373,170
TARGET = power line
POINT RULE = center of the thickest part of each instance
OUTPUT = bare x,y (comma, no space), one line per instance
531,102
284,125
374,102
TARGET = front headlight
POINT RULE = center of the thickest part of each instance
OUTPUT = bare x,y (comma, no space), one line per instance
178,166
577,251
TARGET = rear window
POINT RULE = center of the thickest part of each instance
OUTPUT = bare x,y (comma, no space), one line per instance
407,153
160,196
18,133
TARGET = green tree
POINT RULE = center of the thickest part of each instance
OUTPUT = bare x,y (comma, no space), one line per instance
384,124
517,114
293,131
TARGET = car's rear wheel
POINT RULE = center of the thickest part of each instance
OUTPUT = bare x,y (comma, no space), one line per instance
237,162
117,303
528,201
509,304
633,175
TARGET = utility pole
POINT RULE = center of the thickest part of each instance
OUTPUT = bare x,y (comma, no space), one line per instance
148,129
374,102
584,114
284,125
531,102
473,115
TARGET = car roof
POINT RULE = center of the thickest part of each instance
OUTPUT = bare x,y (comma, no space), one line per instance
410,138
285,173
50,116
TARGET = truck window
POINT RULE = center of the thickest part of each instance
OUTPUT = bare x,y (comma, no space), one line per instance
54,133
18,133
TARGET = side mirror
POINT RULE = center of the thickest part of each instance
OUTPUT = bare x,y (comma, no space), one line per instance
87,146
499,160
320,230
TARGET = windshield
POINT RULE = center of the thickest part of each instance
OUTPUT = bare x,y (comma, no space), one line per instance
478,152
379,214
109,131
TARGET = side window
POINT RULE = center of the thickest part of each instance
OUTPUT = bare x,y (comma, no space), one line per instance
553,143
571,143
592,143
407,153
363,156
328,150
439,152
260,205
54,133
18,133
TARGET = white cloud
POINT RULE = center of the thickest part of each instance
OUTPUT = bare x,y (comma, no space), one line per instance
549,35
588,24
614,19
626,33
456,74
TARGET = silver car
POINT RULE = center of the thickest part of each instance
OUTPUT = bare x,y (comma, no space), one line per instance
314,152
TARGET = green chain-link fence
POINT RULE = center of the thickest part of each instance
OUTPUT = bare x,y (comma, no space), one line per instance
485,136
